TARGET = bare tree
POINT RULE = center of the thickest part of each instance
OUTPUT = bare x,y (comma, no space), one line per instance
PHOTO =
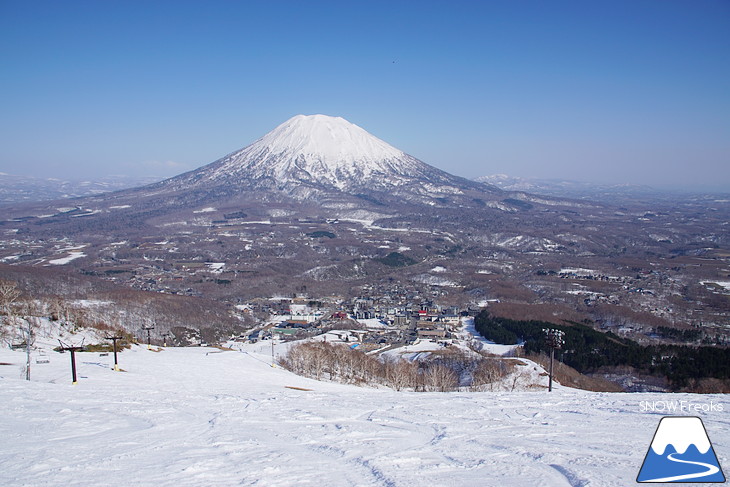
323,360
440,377
9,296
19,319
400,374
487,372
519,378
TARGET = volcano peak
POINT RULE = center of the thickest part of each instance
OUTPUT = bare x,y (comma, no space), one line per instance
321,150
332,140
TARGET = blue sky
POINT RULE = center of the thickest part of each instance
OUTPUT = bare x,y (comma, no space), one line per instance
610,91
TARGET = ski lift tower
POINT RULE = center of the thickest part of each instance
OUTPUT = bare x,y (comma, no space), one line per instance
148,329
73,350
273,338
555,339
114,340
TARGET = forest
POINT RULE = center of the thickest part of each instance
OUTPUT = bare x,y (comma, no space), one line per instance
587,350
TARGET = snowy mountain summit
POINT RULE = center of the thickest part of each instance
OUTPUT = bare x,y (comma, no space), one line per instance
331,142
311,165
323,152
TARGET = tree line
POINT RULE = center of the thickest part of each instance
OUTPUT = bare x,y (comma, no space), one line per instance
587,350
443,373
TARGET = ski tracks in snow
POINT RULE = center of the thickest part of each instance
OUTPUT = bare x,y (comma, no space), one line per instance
182,418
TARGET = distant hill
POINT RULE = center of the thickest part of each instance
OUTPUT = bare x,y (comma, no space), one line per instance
569,189
19,189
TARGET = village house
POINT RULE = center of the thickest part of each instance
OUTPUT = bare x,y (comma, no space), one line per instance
429,329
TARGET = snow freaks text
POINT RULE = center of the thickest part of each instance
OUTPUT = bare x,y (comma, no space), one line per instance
680,407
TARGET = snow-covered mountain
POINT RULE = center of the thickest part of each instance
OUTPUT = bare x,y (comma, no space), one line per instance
321,153
322,149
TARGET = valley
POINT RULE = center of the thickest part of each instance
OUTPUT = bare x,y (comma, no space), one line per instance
646,278
291,218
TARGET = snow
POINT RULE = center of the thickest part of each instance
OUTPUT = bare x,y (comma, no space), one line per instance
435,280
372,323
10,258
577,271
723,284
183,417
204,416
215,267
73,255
90,303
323,149
334,140
88,213
201,416
469,331
582,292
279,213
414,351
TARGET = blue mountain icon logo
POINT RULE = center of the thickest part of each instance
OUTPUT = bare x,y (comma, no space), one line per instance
680,452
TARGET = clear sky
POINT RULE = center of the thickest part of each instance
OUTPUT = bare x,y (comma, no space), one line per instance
611,91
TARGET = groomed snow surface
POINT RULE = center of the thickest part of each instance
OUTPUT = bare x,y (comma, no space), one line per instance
206,417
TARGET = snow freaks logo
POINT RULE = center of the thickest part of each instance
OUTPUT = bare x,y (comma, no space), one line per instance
680,452
681,407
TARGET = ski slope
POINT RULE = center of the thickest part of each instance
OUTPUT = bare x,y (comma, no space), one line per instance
206,417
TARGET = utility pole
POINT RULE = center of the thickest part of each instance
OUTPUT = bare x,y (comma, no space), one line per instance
73,350
147,329
555,339
114,341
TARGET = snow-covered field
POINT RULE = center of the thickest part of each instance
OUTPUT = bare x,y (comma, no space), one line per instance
205,417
